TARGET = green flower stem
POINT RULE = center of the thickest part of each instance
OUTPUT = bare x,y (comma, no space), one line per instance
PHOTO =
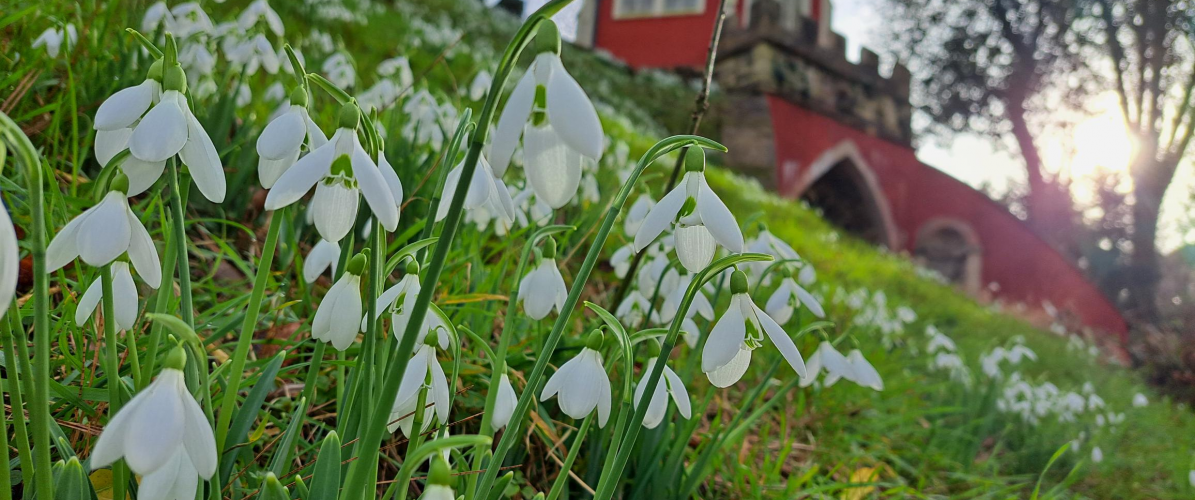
562,477
317,358
39,401
374,357
512,434
165,292
356,483
112,371
248,326
179,232
20,432
611,475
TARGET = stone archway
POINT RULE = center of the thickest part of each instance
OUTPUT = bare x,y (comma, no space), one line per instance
951,248
843,186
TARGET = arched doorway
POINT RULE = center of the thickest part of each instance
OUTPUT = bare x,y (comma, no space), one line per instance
951,249
842,186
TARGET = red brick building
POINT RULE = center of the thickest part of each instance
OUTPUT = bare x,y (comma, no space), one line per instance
810,124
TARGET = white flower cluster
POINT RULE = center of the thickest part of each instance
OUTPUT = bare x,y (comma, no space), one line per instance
872,310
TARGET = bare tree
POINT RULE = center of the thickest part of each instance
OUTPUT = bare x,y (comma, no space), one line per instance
1150,45
1002,68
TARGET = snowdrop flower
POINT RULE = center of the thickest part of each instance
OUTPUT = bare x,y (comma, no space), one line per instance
582,383
255,53
634,308
420,368
258,11
504,405
124,298
767,243
486,191
670,385
170,129
189,19
10,261
339,71
1140,401
808,275
339,170
700,305
104,232
197,61
282,140
114,122
399,302
864,374
340,312
481,85
543,289
1097,455
556,120
52,39
162,434
702,220
621,260
827,358
399,68
739,331
637,213
787,297
906,314
157,15
322,256
1191,477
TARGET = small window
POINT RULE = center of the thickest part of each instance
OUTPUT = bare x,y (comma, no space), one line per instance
657,8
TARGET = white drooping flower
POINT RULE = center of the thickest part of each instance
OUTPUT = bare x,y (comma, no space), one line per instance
621,260
114,122
420,368
399,302
767,243
700,306
281,142
582,384
702,221
827,358
787,297
162,434
559,126
157,15
339,71
543,289
170,129
740,330
481,84
439,477
637,213
323,256
340,312
190,19
400,69
252,53
53,38
504,404
340,171
862,372
124,298
1139,400
486,191
1097,455
670,385
258,11
634,308
101,234
10,260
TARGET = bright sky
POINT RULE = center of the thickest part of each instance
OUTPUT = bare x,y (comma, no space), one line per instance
976,160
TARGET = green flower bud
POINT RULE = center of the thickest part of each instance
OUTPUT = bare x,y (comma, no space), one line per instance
738,282
695,159
441,472
350,115
176,359
412,266
547,38
357,264
119,182
550,248
155,71
175,79
594,340
653,349
298,97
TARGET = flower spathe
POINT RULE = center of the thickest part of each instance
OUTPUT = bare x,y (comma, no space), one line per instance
701,219
543,290
504,405
340,312
170,129
10,261
339,171
420,368
582,385
124,298
281,143
670,385
558,123
740,330
101,234
161,422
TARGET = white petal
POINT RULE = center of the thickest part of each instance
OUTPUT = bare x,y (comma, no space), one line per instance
726,375
439,391
865,374
552,168
809,301
142,174
573,115
450,182
559,379
660,217
142,252
680,395
65,245
283,136
162,133
778,305
202,159
718,219
335,210
695,247
124,296
156,430
111,444
724,340
346,314
124,107
413,377
510,123
392,180
110,142
782,341
88,302
160,484
300,177
198,439
374,188
315,136
107,232
268,171
504,404
323,255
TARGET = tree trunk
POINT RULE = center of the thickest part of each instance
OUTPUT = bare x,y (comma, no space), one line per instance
1149,186
1048,204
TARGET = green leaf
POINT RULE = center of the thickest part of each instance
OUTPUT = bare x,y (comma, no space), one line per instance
410,249
325,482
247,414
271,489
284,450
70,482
